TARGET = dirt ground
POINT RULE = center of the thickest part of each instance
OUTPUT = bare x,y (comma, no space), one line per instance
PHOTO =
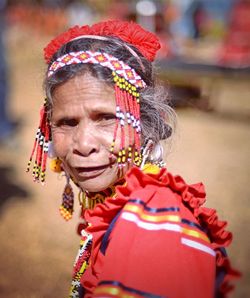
38,248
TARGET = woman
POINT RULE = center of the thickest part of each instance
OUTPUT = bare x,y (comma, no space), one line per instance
144,232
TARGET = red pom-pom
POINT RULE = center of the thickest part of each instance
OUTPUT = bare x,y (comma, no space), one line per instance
63,38
146,42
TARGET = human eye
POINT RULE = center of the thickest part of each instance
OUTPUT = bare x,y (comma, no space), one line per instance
105,119
65,123
108,116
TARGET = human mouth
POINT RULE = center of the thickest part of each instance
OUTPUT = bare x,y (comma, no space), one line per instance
87,172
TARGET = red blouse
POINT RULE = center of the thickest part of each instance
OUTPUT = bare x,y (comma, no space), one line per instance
154,239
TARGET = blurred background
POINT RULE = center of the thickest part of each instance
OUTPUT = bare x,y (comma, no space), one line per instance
204,64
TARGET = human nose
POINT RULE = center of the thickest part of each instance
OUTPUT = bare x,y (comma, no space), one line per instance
85,140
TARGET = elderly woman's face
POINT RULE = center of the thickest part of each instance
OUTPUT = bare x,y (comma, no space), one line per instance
83,123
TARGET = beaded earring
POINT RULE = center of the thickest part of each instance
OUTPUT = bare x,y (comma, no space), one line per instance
152,154
67,207
156,156
147,148
127,86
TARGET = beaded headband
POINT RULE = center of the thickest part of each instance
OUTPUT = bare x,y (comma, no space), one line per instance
127,82
119,67
107,39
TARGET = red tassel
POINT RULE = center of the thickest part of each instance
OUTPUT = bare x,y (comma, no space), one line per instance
127,109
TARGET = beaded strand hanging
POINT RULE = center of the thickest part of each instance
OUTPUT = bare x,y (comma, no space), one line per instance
127,86
41,146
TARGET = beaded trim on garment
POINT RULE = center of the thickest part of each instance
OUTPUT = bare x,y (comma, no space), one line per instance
82,259
81,263
88,201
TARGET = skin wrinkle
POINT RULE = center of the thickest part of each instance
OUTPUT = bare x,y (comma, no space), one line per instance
155,111
83,121
156,115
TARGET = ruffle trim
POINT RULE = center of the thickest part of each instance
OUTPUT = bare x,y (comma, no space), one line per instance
193,197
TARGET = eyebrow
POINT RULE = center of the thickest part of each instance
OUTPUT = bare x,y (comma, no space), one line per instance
95,110
103,109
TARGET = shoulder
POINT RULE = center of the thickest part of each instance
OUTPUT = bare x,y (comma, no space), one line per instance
157,200
157,188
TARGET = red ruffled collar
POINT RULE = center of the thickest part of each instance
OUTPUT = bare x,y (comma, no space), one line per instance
193,197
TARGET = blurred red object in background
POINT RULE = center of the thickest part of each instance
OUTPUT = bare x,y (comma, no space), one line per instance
235,51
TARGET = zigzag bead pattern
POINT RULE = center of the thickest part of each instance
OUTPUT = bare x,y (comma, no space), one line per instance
104,59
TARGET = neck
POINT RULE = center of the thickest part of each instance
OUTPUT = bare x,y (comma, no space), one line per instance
88,200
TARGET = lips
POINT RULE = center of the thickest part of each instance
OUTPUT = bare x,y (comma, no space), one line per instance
87,172
90,169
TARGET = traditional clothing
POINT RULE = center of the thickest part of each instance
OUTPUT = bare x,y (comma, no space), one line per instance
150,236
154,239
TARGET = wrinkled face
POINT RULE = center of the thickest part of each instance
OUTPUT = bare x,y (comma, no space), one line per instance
83,123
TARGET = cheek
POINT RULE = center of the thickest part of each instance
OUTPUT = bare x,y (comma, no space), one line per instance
61,144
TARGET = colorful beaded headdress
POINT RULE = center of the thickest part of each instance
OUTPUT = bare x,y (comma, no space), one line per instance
127,85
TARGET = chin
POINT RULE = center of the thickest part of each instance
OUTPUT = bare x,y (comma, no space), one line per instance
99,183
93,186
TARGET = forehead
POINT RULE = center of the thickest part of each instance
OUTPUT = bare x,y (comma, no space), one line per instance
84,89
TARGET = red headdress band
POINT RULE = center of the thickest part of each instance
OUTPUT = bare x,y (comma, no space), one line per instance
127,81
127,86
146,42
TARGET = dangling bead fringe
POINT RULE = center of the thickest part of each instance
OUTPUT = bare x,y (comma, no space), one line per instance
40,147
135,109
127,109
67,207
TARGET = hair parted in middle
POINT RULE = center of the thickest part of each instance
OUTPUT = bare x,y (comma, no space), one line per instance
157,117
144,106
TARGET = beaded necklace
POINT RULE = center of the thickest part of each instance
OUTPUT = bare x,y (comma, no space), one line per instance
87,201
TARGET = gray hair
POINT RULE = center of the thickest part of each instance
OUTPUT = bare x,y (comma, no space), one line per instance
158,119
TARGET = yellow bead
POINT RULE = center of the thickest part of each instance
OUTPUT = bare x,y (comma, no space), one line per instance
55,165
